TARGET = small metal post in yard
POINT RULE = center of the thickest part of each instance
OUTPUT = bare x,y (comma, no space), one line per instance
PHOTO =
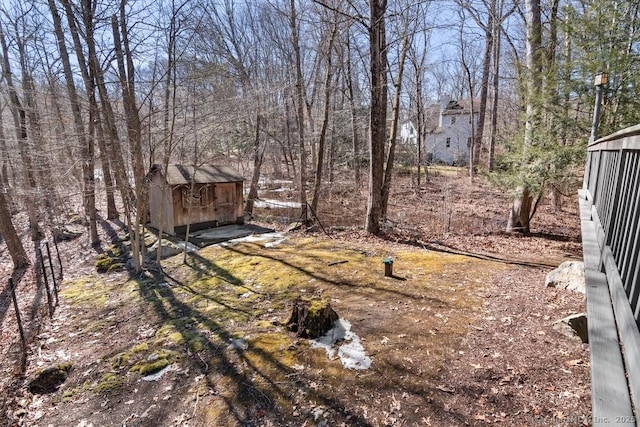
53,275
18,319
388,267
46,284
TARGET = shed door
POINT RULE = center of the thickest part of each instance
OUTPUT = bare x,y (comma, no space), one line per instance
225,203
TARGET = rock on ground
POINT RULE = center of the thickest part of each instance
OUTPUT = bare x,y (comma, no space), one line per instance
573,326
569,275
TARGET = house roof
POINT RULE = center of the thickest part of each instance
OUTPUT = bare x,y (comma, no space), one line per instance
185,174
461,106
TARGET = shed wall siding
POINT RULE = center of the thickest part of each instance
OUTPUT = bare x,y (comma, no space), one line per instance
160,208
201,211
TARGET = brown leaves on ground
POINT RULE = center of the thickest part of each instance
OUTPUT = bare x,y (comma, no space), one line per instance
468,342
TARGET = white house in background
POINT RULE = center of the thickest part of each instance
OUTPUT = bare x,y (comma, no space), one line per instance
450,126
408,133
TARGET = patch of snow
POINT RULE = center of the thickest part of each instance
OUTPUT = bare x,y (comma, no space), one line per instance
264,180
351,352
157,375
271,239
273,203
190,247
274,243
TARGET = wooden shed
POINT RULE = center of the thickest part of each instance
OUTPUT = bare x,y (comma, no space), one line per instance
214,192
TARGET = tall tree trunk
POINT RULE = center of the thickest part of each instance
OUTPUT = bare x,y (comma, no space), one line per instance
90,88
87,151
299,108
420,133
495,94
169,119
258,156
20,124
47,193
325,119
10,236
109,128
61,132
354,118
520,213
378,59
287,135
112,210
472,146
127,84
388,171
484,85
4,156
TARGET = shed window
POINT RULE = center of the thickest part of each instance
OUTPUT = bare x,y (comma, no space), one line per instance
198,198
453,120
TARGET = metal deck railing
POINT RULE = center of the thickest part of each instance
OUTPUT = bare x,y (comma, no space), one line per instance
610,221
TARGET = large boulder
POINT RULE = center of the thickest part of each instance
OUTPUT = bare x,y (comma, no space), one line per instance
574,326
569,275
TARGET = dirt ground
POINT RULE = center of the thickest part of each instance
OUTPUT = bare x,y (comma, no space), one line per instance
461,335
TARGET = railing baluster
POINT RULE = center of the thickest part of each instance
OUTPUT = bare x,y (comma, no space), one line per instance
630,248
621,217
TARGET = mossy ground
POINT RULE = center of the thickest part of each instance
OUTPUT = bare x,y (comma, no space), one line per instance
220,321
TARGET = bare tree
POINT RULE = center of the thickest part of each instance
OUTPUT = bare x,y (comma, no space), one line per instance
328,77
20,123
86,145
169,108
4,155
520,213
355,131
94,126
395,111
258,158
378,134
299,100
469,75
126,75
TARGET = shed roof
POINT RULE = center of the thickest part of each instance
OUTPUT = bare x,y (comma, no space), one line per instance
185,174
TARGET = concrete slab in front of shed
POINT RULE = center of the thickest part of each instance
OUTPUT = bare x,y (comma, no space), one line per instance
211,236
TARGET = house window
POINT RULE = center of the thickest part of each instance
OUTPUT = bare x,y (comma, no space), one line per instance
453,120
448,142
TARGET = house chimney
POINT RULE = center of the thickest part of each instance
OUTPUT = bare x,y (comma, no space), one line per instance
444,101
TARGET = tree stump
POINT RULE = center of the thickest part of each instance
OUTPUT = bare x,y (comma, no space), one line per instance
311,317
48,380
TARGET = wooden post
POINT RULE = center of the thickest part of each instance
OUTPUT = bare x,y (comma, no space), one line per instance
55,244
53,275
18,319
46,284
